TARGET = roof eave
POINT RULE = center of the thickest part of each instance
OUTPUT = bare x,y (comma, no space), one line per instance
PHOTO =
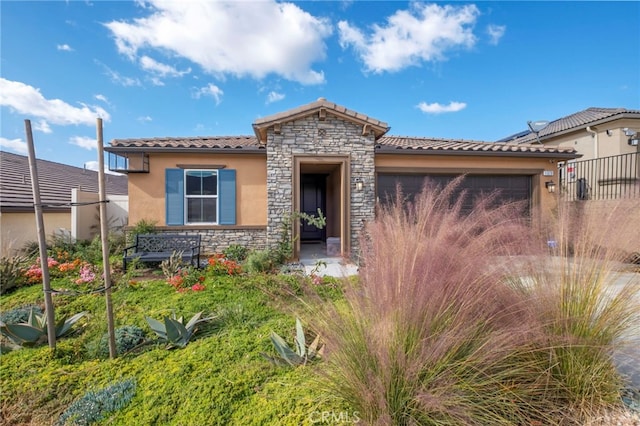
563,155
141,149
260,127
615,117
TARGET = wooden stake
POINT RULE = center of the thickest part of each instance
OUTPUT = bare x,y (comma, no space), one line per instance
42,239
104,236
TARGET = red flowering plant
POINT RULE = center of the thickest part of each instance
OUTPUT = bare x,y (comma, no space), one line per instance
61,265
186,279
219,265
34,273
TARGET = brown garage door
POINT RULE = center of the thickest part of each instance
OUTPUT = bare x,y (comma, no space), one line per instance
510,187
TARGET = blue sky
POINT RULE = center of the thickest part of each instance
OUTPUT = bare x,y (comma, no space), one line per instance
450,70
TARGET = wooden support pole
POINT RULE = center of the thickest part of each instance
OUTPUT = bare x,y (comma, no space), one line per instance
104,236
42,239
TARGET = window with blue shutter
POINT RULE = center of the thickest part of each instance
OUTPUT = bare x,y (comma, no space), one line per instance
227,197
200,196
174,199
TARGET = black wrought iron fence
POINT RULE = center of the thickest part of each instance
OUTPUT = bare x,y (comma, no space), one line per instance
602,178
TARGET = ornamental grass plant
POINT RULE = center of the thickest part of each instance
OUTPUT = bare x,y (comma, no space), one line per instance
468,318
587,304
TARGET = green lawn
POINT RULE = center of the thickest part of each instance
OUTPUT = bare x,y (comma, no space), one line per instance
220,377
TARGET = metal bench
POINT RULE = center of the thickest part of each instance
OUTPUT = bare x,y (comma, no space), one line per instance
158,247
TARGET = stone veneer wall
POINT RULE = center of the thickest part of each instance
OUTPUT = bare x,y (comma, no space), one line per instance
312,136
214,240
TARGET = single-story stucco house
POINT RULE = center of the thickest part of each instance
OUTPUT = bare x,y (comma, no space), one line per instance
239,189
593,132
609,141
61,185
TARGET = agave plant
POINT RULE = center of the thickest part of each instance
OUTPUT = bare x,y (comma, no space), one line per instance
302,353
35,329
173,330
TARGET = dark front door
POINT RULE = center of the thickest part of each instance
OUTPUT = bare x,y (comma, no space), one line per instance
312,198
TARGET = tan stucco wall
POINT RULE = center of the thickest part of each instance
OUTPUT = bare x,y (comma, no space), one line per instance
147,190
607,145
543,202
17,229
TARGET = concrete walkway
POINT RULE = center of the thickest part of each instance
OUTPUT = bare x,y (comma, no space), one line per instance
627,356
314,259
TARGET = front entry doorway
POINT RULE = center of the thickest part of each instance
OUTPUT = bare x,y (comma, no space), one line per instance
322,182
313,195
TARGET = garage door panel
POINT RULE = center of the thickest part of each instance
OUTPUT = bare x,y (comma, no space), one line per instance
510,187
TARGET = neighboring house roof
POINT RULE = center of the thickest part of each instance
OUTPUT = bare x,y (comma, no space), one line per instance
573,122
386,144
261,125
56,182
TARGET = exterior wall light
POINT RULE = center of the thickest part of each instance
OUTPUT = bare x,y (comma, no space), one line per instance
633,141
359,184
551,186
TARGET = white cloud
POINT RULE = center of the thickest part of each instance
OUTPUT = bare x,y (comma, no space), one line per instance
231,38
42,126
64,47
145,119
83,142
28,100
209,90
156,81
15,145
424,33
162,70
495,33
436,108
120,79
274,97
102,98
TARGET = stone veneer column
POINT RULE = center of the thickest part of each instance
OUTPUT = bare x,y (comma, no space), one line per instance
312,136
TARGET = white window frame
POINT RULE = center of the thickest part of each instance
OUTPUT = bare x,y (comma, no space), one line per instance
187,197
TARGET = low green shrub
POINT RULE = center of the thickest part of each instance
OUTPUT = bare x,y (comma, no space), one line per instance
143,226
236,253
94,405
260,262
92,251
20,314
127,338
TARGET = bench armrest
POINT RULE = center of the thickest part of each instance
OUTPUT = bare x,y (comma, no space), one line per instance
129,248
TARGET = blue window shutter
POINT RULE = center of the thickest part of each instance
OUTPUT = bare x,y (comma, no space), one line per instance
227,197
174,196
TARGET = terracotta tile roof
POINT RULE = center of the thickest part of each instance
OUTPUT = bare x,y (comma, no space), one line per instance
408,145
209,142
385,144
56,182
261,124
589,116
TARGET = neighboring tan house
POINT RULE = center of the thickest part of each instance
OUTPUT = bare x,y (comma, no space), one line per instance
60,186
609,141
240,189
